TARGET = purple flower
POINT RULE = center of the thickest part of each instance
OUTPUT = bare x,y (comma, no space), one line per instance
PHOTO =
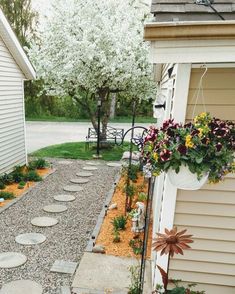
182,149
220,132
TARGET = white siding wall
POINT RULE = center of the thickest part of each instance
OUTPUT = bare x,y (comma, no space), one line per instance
209,213
12,130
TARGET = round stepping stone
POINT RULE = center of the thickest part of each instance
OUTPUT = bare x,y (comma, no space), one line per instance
64,198
65,162
44,221
21,287
73,188
12,259
114,164
90,168
79,181
30,239
55,208
84,174
92,163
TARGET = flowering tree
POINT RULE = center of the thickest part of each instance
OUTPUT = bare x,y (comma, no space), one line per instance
92,48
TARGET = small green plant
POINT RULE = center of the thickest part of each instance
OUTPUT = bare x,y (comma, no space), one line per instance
6,195
134,287
32,175
188,289
39,163
136,245
116,236
133,172
7,179
119,222
132,213
21,185
2,185
130,190
17,174
142,196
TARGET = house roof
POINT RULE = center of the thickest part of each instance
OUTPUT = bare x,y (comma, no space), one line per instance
188,10
15,48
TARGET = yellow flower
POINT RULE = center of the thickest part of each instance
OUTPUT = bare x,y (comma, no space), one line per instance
188,141
155,156
201,131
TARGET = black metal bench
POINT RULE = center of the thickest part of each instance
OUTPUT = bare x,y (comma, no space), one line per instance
113,135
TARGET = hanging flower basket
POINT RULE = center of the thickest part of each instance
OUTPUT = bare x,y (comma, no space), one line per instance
185,179
193,152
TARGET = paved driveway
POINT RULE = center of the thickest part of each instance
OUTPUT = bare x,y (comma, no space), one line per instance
42,134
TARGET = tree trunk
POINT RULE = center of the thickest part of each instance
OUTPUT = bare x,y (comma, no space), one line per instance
113,105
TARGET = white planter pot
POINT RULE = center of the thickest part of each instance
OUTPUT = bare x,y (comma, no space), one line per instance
186,180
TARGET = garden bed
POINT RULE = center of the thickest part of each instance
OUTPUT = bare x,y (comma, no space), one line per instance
18,183
106,236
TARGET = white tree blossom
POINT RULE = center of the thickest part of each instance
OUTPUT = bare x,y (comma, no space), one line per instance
95,47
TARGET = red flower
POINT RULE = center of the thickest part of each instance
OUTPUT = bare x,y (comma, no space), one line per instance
218,147
182,149
165,155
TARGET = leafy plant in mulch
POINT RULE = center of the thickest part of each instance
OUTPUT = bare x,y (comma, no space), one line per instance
39,163
18,174
2,185
142,196
7,179
136,245
116,236
119,222
21,185
6,195
33,176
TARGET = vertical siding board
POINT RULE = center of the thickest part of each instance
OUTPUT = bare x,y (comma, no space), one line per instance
12,131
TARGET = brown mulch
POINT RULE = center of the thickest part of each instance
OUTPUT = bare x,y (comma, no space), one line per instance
105,236
13,188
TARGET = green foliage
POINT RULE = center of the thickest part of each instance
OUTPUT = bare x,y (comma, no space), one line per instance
6,195
177,289
17,174
2,185
32,175
130,190
133,172
119,222
21,185
39,163
134,287
142,196
136,245
7,179
116,236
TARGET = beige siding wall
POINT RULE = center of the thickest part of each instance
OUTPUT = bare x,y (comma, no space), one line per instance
209,214
12,133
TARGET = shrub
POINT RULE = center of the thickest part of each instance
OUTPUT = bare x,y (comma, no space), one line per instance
2,185
134,288
6,195
130,190
21,185
17,174
119,222
7,179
142,196
39,163
32,176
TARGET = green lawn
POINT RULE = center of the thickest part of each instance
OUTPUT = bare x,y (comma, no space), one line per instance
78,150
119,119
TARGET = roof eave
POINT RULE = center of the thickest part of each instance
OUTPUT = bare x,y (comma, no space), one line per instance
15,48
189,30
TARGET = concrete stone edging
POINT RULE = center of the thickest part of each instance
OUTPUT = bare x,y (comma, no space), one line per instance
101,216
14,201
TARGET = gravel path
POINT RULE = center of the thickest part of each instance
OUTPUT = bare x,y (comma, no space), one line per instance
65,241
